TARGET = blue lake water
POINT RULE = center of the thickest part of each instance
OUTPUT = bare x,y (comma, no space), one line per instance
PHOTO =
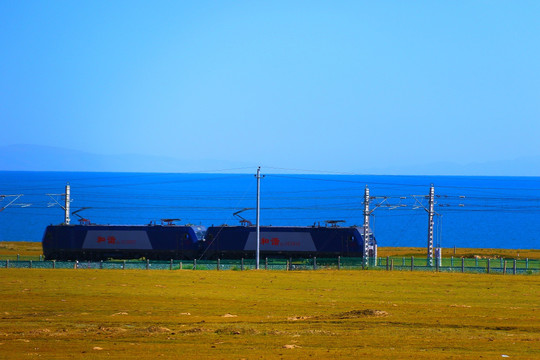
494,212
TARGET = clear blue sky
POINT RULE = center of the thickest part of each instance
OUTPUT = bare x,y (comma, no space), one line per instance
337,85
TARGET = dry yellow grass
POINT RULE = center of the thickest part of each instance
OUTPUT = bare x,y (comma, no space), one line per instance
275,314
33,249
462,252
24,248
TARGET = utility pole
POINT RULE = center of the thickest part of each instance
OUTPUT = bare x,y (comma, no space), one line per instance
430,225
258,217
67,219
366,227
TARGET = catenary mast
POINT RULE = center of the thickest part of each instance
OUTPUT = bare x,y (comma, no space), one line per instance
366,227
258,218
430,225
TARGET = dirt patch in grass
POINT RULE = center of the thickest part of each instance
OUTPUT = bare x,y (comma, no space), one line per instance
38,332
120,313
343,315
157,329
195,330
318,332
110,330
361,313
296,318
236,331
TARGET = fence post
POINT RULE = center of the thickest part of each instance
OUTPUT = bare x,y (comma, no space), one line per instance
314,263
7,264
504,268
101,264
18,257
488,265
451,262
54,264
339,262
515,266
171,265
412,263
124,265
218,264
403,261
391,264
40,257
76,264
147,264
242,264
194,264
387,263
181,265
526,263
462,265
437,265
476,262
266,263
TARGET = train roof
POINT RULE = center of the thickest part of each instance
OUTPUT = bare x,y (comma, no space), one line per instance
131,225
288,226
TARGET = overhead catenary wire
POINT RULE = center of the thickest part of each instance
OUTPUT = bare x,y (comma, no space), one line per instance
307,199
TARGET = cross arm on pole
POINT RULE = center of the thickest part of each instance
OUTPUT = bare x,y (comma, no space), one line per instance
56,201
11,202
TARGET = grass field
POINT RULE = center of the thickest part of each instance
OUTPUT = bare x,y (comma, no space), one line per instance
95,314
32,250
462,252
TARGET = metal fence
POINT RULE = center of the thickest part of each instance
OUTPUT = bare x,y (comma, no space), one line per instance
469,265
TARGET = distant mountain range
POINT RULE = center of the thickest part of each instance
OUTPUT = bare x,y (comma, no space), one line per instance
47,158
526,166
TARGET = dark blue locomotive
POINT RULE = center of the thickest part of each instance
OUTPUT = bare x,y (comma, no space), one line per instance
167,241
101,242
285,241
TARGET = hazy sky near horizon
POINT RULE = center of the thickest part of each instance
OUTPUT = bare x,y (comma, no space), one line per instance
335,85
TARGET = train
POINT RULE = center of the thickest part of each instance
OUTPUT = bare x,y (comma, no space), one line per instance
102,242
166,240
284,241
